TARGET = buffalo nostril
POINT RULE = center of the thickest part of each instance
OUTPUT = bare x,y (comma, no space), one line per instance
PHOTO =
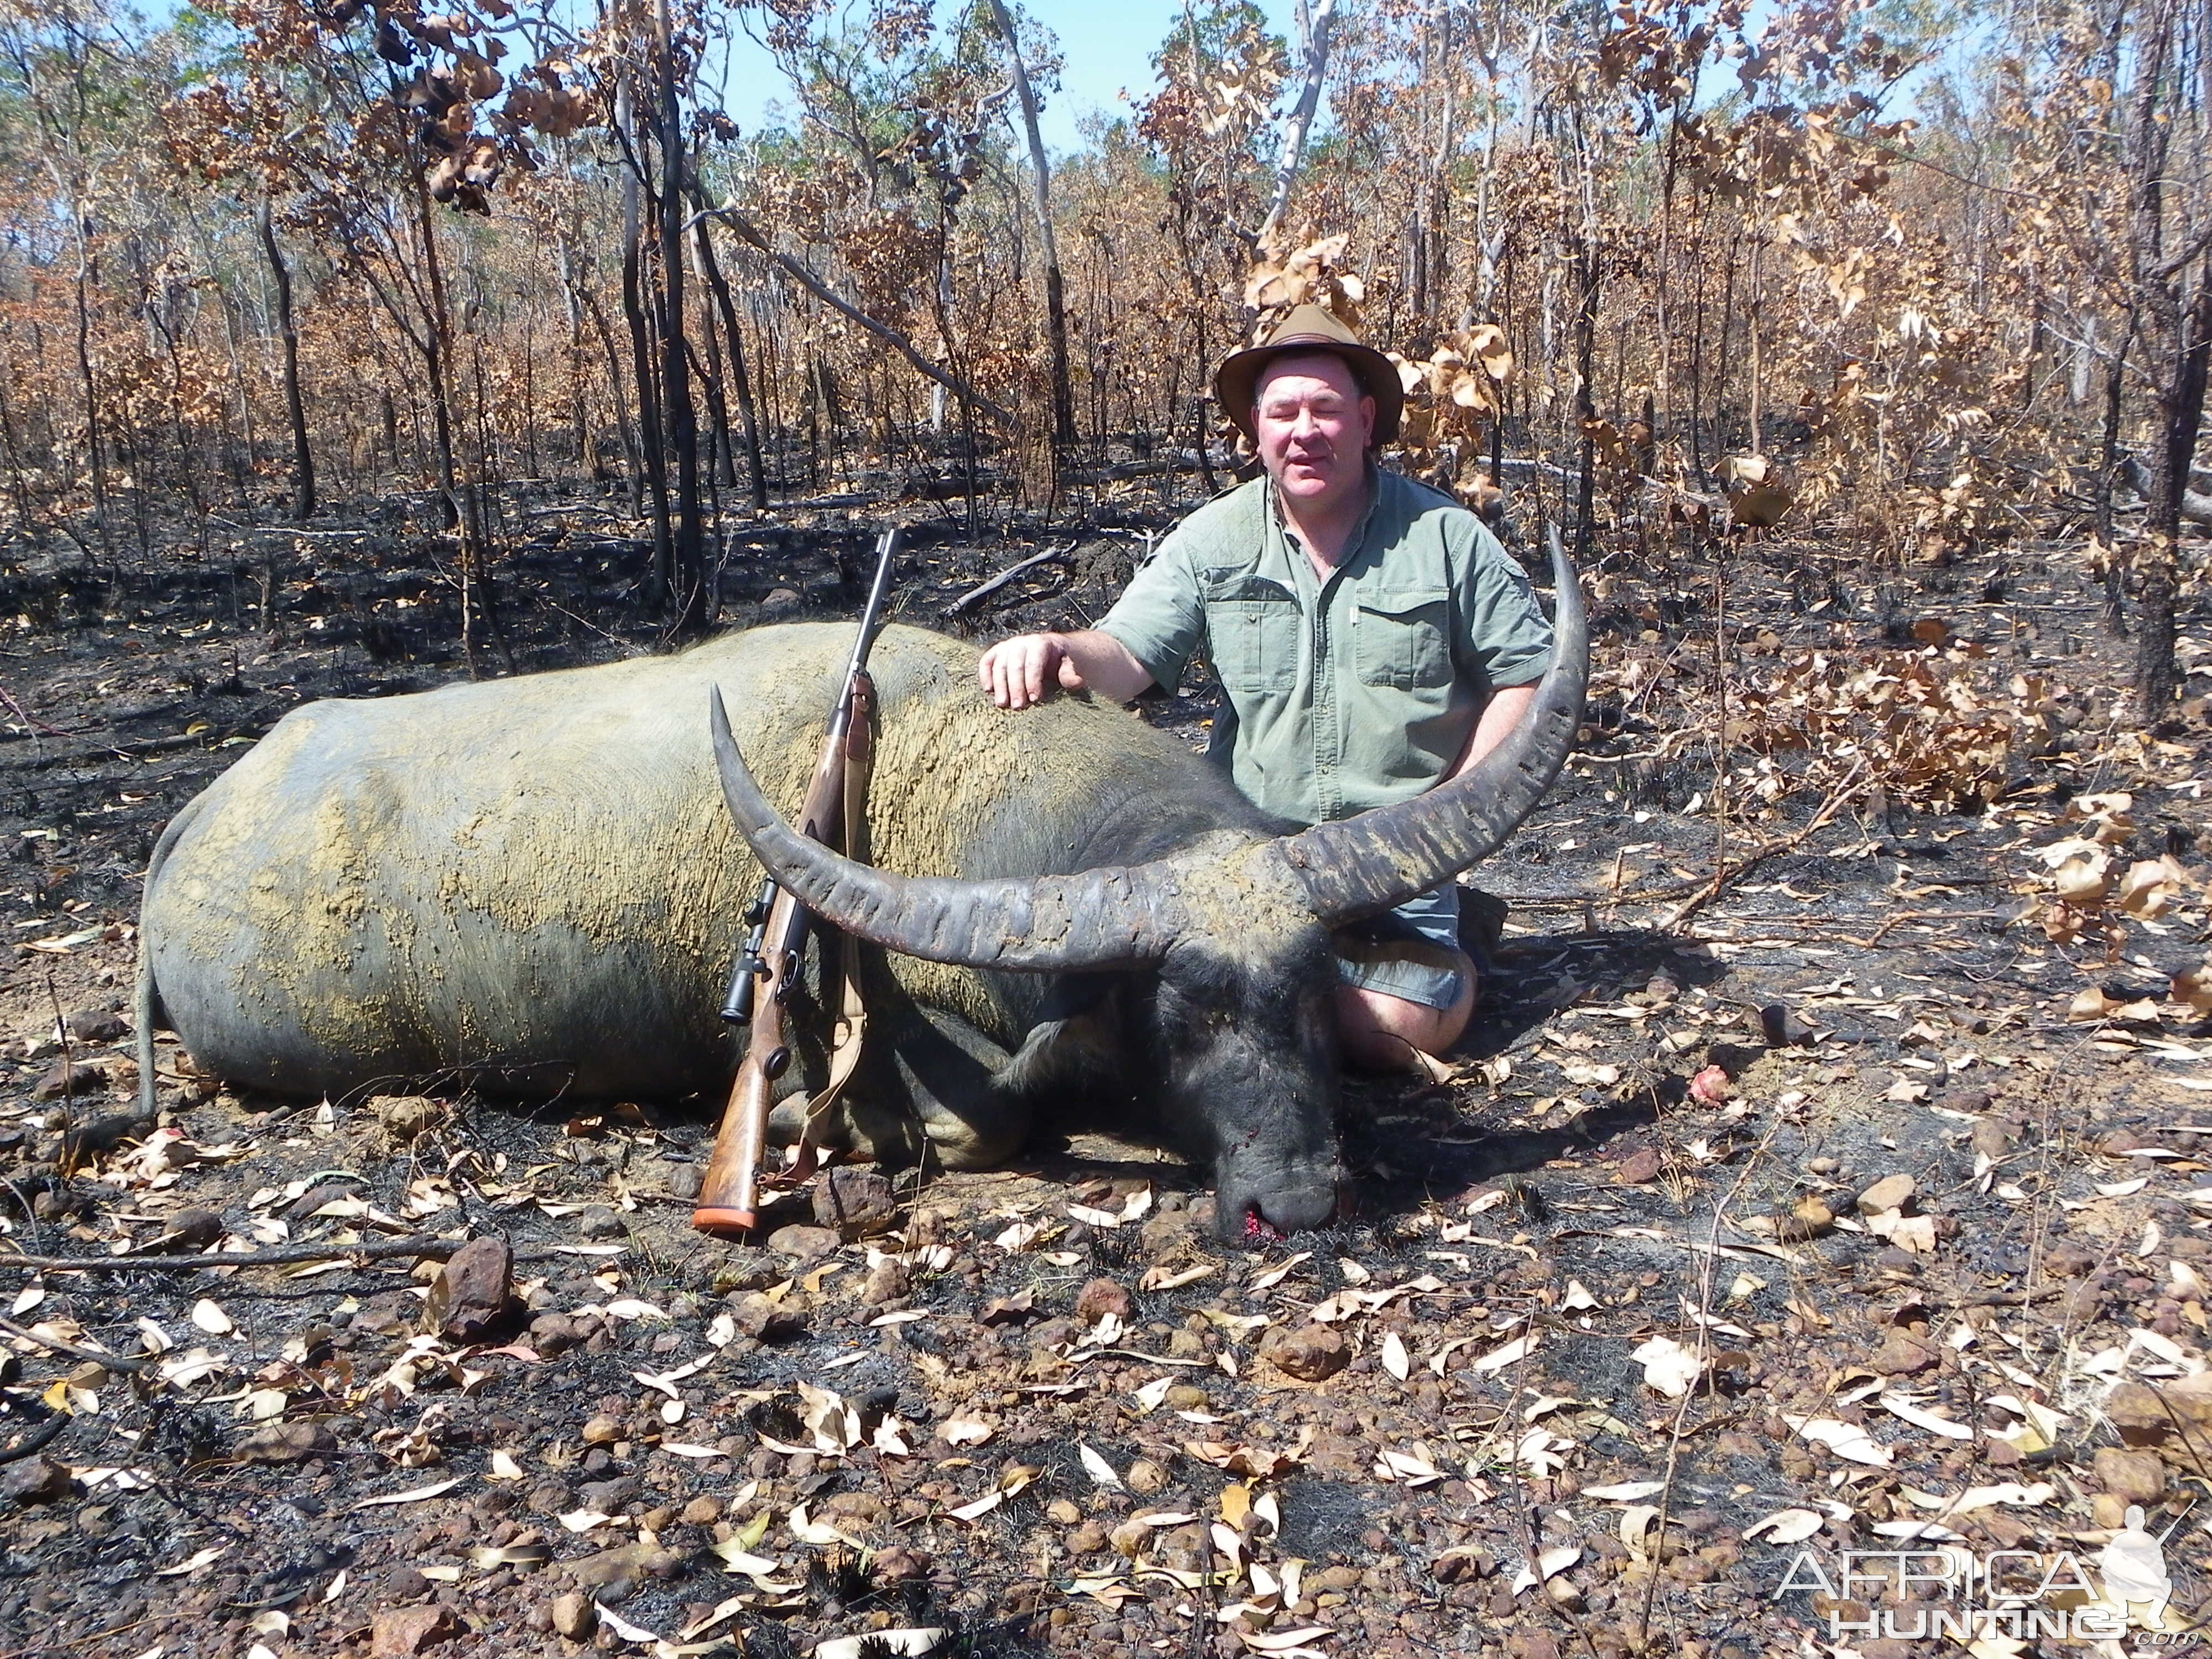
1257,1230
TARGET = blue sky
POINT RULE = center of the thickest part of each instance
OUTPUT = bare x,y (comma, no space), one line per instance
1108,49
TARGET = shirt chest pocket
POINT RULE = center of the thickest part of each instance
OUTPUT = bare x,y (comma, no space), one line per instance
1253,630
1404,639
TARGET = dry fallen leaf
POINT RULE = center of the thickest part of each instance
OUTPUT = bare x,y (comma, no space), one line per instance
1786,1526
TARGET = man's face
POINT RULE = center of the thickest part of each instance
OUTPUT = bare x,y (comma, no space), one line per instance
1313,422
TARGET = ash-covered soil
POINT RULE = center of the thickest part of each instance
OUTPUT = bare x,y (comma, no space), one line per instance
1789,1213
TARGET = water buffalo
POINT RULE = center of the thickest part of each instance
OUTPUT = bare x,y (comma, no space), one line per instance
531,882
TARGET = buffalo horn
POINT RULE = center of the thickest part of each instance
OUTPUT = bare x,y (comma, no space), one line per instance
1099,919
1361,866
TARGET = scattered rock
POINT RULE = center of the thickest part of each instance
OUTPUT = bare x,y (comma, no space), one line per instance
404,1120
602,1430
2133,1477
765,1321
701,1511
551,1333
899,1566
1890,1192
574,1616
1182,1397
98,1025
70,1078
778,602
887,1282
685,1181
1311,1354
599,1222
854,1203
1990,1140
1102,1297
34,1480
474,1296
1145,1477
399,1633
284,1443
1902,1355
1637,1168
189,1230
2144,1413
807,1243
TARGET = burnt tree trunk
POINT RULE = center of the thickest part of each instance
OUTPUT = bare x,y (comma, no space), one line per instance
296,409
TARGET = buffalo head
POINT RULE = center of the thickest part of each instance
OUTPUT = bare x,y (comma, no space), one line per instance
1231,1034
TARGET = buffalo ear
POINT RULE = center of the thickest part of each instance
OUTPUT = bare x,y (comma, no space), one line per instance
1076,1044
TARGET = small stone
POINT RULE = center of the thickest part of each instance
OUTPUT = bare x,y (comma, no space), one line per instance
899,1566
574,1615
1145,1478
765,1321
807,1243
68,1080
400,1632
2133,1477
1311,1354
1637,1168
1990,1140
2107,1510
597,1221
854,1203
1088,1539
552,1333
284,1443
1062,1512
1182,1397
405,1119
685,1181
1527,1644
779,602
603,1431
1890,1192
1098,1299
98,1025
701,1511
405,1584
475,1293
1902,1355
2120,1142
887,1282
189,1230
2143,1413
34,1480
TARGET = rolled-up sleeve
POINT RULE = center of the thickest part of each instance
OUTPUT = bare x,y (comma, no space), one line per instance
1504,638
1160,617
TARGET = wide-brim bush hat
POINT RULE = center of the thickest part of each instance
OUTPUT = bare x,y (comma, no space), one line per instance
1310,328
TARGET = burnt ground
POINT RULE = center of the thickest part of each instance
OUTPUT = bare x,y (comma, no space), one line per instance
1786,1212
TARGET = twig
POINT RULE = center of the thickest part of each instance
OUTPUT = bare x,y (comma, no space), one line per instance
1733,871
1676,1434
297,1256
114,1362
40,1440
984,590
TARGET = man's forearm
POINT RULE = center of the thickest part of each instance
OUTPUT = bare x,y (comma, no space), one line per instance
1107,666
1500,715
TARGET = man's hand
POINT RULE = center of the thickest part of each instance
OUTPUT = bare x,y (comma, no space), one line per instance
1017,672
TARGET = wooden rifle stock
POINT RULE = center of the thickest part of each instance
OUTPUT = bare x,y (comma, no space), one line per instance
728,1198
726,1194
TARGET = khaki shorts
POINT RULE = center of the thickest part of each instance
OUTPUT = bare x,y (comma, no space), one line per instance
1412,953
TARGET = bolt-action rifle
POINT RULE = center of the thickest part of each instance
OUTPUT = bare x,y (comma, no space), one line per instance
769,967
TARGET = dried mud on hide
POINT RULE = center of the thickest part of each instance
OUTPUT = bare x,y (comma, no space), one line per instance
1858,1203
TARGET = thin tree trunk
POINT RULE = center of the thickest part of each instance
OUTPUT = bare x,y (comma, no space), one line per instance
687,589
295,408
1055,312
740,382
1316,18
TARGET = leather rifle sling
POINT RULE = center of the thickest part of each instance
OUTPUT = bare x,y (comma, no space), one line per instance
852,1024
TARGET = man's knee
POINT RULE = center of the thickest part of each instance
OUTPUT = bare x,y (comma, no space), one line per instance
1381,1032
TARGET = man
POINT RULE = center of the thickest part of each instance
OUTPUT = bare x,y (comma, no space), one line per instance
1371,638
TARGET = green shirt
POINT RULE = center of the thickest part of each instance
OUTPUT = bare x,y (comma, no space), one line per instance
1353,693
